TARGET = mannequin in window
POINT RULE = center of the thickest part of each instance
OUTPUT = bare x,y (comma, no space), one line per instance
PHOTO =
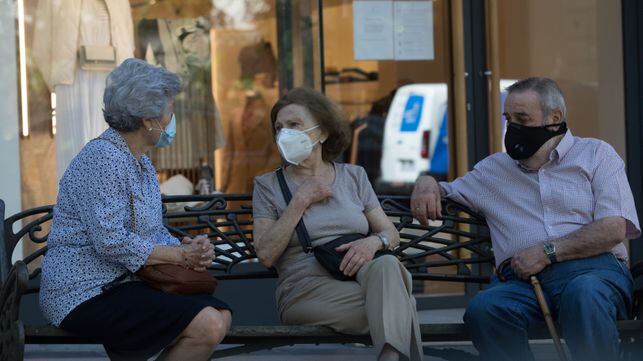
61,28
182,45
250,150
250,144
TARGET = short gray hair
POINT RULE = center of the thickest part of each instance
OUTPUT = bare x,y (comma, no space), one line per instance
551,97
136,90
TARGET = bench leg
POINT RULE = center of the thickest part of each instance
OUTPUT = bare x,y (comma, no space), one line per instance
631,347
12,342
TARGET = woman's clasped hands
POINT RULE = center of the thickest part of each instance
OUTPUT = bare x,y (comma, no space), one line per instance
198,252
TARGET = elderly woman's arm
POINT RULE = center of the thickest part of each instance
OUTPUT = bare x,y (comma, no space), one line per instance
271,237
103,203
166,254
196,254
363,250
380,223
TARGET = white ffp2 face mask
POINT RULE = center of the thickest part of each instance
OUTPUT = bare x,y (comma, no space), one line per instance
295,145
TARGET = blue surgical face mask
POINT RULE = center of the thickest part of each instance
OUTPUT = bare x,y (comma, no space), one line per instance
167,134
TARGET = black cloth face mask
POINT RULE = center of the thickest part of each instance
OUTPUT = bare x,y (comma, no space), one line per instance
522,141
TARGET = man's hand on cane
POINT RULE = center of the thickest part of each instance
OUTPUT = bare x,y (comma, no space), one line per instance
530,261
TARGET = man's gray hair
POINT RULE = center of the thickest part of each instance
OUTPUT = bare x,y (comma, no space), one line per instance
551,97
136,90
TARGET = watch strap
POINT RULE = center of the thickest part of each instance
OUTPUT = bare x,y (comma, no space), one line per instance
550,251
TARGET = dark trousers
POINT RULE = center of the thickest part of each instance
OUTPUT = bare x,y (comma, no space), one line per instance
586,297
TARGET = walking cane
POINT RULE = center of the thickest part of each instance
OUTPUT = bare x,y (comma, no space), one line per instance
540,296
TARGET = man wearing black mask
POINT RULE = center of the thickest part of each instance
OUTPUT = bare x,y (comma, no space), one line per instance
558,206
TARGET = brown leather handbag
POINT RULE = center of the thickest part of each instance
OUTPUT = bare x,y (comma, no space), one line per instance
173,278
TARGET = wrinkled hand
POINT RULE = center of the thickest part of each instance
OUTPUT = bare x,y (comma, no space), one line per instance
358,253
313,190
199,252
529,261
426,201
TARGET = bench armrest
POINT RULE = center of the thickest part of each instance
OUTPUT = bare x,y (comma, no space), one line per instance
12,336
12,290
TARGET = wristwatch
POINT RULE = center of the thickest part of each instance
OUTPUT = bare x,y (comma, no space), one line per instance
385,242
550,251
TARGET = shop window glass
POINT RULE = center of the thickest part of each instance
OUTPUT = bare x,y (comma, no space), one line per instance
227,54
398,109
577,43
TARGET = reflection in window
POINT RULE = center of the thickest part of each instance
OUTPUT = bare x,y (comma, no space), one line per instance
226,54
244,47
397,108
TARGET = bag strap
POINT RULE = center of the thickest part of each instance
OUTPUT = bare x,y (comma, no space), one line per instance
132,217
300,229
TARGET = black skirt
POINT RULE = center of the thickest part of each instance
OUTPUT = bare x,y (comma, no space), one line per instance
135,321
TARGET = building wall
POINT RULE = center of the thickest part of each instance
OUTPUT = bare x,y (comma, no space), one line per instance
9,123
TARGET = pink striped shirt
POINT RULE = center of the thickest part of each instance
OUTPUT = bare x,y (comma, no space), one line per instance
583,181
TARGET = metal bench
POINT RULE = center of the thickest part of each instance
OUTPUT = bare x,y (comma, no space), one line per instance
457,248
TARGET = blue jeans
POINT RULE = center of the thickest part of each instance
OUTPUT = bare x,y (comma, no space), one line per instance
586,297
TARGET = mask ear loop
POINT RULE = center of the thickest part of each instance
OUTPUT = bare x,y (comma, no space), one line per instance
319,140
311,128
561,130
161,129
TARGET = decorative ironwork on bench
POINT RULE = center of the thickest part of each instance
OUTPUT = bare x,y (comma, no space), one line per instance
446,249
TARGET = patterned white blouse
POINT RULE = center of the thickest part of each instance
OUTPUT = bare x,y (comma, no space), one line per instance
92,240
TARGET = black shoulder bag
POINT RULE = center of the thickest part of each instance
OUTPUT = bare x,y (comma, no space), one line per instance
325,254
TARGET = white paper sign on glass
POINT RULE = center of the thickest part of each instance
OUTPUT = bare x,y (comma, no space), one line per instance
373,30
413,30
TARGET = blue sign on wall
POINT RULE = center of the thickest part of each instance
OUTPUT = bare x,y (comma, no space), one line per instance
412,113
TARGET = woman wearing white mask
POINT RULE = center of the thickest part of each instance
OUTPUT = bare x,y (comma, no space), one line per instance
333,200
107,224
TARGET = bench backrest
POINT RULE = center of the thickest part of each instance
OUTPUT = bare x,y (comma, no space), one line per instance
446,250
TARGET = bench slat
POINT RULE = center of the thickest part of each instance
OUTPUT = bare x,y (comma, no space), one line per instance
303,334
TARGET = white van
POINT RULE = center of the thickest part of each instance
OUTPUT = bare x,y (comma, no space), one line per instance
416,134
412,132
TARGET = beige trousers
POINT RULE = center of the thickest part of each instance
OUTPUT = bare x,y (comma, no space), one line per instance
380,302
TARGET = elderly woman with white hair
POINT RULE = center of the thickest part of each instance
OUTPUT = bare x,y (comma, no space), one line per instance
107,224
